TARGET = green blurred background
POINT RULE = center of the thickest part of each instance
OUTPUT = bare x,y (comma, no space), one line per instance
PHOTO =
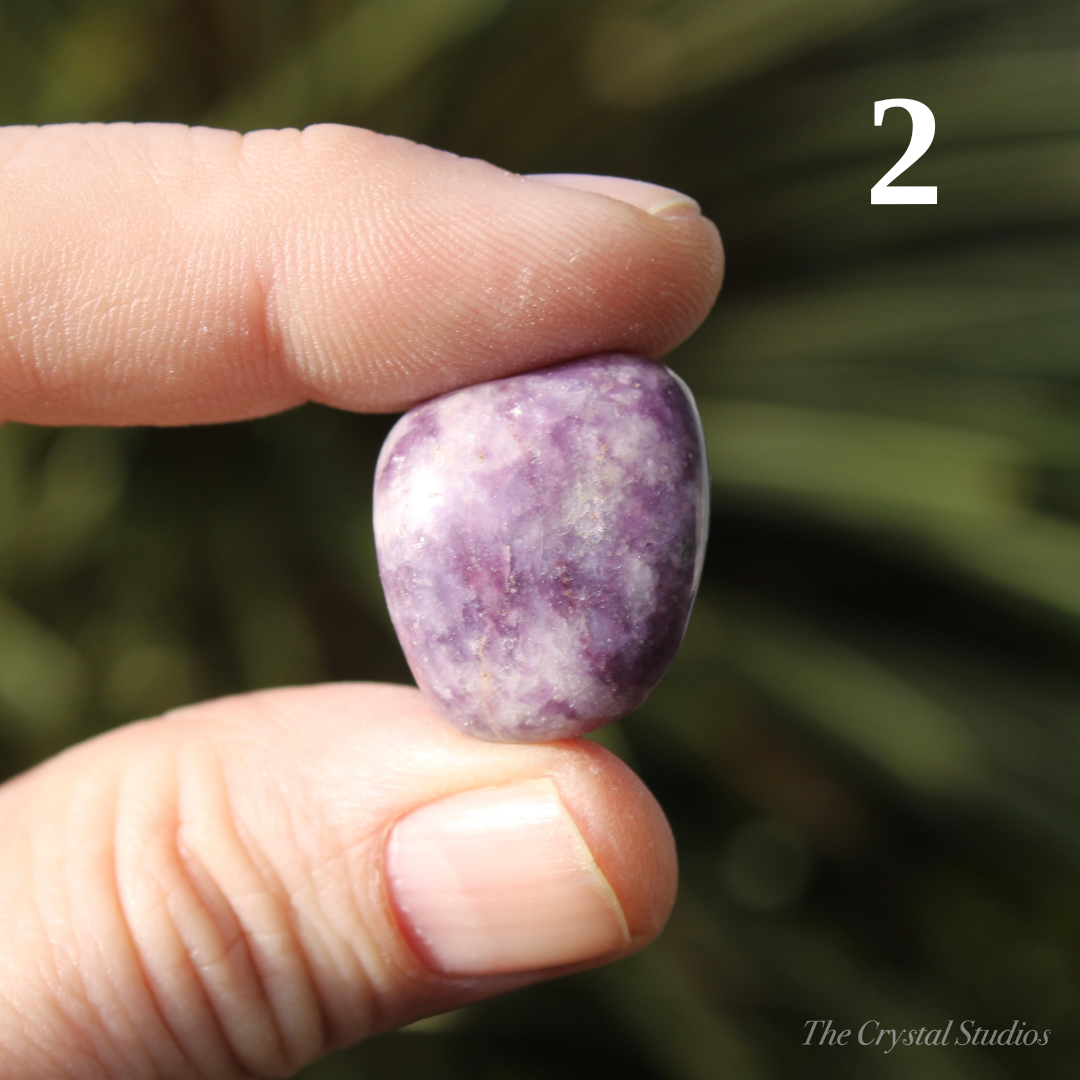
870,744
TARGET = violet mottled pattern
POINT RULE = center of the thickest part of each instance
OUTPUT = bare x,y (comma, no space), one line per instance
540,541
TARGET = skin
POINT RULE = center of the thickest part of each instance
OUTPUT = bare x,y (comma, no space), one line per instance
159,275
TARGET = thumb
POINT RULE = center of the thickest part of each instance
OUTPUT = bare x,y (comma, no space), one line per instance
244,885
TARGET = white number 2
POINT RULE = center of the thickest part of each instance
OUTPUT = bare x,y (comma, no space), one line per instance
922,135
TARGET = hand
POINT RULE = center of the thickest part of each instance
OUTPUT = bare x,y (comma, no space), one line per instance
244,885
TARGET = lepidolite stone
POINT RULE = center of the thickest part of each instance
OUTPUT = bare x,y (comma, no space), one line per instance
540,541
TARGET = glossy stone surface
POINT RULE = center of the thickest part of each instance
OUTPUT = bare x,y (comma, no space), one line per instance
540,541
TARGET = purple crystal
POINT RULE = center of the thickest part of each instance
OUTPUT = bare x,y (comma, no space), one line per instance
540,541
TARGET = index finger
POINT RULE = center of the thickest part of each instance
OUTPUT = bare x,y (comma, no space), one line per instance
156,274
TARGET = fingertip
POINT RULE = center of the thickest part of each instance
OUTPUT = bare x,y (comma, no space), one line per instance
533,875
628,834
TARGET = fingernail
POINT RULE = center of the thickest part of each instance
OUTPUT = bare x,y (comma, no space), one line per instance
656,200
500,880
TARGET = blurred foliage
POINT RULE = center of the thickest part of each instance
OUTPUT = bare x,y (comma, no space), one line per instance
870,744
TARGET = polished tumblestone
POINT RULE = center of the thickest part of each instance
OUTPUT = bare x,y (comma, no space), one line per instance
540,541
